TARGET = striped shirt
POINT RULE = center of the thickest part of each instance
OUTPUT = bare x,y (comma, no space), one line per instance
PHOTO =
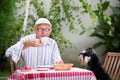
48,54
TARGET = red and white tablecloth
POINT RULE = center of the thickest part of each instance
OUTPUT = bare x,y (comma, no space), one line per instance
73,74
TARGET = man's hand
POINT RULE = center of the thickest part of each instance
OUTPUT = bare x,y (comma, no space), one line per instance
33,43
36,43
59,62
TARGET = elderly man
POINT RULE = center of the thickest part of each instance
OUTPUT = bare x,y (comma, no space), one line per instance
36,49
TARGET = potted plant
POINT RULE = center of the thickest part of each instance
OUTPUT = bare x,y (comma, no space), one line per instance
108,33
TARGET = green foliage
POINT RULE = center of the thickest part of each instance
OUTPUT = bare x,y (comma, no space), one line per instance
54,15
115,37
56,23
11,21
5,73
107,29
10,29
6,22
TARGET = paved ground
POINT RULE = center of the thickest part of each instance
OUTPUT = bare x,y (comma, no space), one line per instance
3,78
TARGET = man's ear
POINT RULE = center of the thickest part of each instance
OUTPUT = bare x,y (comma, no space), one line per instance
50,30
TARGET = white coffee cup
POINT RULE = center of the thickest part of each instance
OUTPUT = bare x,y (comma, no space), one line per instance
44,40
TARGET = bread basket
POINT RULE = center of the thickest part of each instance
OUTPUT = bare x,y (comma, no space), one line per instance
65,66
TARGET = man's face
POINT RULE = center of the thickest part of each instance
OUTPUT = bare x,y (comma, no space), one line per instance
42,30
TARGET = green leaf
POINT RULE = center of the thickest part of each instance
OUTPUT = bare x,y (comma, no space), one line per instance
115,42
116,10
97,35
82,32
71,27
98,44
105,5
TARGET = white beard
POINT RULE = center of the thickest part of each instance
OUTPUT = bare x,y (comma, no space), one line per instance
85,60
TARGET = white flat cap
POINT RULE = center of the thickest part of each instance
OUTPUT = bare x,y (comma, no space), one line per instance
43,21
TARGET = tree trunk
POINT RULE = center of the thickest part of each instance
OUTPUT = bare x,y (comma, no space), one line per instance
26,15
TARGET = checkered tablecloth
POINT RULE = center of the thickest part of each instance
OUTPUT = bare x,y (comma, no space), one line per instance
73,74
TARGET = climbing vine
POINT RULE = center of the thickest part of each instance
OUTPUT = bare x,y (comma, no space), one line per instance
60,11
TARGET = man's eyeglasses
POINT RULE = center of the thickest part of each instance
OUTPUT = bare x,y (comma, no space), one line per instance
44,29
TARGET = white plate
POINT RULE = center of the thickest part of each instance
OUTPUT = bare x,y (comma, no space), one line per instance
42,69
46,66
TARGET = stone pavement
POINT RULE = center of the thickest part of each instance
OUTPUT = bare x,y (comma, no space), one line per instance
3,78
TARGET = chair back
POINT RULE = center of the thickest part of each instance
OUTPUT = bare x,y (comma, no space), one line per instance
14,66
112,65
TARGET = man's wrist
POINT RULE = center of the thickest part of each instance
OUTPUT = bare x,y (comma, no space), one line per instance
27,44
